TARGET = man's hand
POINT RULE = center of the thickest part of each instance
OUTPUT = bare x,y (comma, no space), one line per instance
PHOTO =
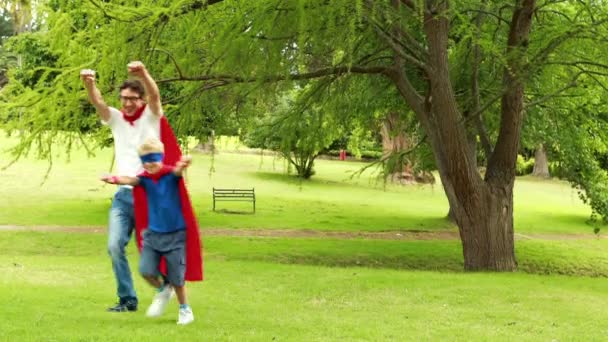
88,77
137,69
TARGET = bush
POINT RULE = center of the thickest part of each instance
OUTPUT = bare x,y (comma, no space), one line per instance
370,154
524,167
365,154
556,169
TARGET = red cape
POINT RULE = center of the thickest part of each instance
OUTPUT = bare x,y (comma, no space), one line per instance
194,257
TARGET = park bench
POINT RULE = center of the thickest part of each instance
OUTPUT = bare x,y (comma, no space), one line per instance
234,195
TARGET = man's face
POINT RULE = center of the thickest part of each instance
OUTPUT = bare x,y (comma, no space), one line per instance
152,167
130,101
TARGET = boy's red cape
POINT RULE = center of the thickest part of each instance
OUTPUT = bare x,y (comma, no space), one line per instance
194,258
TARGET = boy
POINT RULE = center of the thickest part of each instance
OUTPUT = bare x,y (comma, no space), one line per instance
166,231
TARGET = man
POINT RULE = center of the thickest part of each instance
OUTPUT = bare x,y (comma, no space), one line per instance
137,121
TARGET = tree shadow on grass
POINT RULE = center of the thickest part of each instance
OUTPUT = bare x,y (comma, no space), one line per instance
443,256
233,212
446,264
314,181
544,257
558,222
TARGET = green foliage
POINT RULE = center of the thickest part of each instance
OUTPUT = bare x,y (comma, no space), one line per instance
221,65
523,166
298,131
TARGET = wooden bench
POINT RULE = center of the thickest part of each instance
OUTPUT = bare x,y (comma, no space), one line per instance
247,195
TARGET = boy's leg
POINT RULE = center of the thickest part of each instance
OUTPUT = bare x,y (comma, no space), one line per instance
149,260
180,293
185,315
120,228
148,267
176,270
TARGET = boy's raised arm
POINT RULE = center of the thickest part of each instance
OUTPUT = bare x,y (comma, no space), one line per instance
181,165
120,180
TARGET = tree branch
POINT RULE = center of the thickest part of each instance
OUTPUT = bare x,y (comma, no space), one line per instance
338,71
501,164
481,11
195,5
556,42
395,39
399,50
410,4
481,130
570,84
179,70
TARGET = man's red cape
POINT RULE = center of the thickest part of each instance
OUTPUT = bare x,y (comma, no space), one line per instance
194,257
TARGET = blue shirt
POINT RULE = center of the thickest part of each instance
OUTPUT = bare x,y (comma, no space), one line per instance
164,204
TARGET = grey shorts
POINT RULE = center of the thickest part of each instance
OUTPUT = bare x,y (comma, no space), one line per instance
172,247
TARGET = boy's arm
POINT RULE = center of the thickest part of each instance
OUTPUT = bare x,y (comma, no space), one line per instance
181,165
120,180
88,78
138,70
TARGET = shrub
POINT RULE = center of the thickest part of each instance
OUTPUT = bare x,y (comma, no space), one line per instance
524,167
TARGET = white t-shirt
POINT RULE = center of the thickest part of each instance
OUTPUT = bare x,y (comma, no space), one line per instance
127,138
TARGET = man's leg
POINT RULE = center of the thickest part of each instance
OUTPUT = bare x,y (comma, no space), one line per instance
121,225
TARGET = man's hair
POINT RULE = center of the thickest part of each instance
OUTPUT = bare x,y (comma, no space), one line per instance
134,85
151,145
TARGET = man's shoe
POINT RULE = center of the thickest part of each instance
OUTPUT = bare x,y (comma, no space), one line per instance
124,306
160,302
185,316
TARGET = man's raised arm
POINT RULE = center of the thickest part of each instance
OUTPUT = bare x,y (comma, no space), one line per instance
88,78
138,70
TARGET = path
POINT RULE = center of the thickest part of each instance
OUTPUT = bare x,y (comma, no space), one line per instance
309,233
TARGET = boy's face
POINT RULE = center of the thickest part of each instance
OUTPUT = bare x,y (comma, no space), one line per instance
153,167
152,162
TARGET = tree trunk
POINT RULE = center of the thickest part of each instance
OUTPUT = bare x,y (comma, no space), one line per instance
541,163
395,140
451,216
483,208
487,231
209,146
484,215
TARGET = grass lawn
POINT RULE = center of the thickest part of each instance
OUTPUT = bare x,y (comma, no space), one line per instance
332,200
57,285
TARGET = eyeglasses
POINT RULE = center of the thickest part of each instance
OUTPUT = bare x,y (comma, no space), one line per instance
129,98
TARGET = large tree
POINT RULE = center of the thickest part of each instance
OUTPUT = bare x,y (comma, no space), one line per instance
256,48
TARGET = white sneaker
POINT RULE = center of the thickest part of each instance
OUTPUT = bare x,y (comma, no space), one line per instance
160,302
185,316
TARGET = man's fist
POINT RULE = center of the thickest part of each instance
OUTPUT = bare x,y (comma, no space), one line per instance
87,76
136,68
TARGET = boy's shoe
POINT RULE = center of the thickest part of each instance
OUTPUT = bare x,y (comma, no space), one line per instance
185,316
124,305
160,302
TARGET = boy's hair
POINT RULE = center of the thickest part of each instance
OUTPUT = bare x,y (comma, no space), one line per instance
151,145
134,85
